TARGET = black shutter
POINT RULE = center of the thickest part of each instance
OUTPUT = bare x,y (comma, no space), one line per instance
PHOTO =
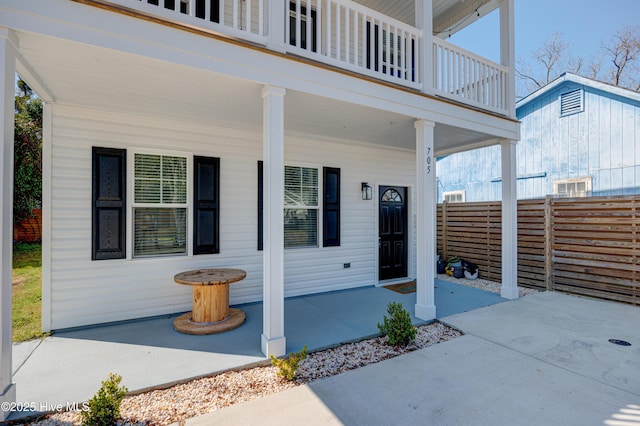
206,205
108,214
331,207
260,205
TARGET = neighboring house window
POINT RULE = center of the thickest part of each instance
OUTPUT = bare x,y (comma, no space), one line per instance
159,204
453,196
300,207
571,102
580,187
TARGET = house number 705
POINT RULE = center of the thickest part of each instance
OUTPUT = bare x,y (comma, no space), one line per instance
428,160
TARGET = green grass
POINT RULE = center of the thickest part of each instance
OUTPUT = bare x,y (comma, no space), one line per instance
27,291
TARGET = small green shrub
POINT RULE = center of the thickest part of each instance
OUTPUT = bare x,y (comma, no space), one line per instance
287,367
104,407
398,327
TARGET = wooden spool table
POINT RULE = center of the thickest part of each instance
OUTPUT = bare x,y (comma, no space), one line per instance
211,313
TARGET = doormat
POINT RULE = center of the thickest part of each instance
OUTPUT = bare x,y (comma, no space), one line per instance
404,288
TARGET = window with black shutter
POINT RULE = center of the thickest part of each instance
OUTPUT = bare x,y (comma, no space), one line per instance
331,207
206,205
109,203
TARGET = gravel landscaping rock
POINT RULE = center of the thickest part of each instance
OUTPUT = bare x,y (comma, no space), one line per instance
485,285
175,404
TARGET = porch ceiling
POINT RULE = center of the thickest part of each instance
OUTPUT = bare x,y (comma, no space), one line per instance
449,16
91,77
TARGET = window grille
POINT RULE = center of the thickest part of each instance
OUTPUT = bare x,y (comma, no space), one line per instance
570,188
453,196
159,205
300,207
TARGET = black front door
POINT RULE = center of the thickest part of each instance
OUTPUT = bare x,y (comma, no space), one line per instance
393,232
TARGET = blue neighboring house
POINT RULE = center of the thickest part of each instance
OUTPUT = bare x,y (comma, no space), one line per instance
579,137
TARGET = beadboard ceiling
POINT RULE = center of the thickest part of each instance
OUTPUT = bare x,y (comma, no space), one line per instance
449,16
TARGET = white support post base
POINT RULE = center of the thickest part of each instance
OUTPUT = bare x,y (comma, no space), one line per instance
509,292
425,312
509,288
273,340
425,221
275,347
8,43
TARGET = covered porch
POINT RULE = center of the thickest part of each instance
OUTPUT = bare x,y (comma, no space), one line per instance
69,366
111,81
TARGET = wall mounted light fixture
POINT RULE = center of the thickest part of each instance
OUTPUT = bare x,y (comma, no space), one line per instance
367,191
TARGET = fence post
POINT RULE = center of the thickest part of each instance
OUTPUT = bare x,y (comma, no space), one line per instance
487,218
548,229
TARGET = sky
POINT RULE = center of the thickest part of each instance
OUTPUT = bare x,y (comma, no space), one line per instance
584,24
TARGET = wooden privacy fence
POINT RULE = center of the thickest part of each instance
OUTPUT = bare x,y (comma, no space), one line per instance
29,230
586,246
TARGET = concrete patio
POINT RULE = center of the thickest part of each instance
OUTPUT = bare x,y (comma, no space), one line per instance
69,366
544,359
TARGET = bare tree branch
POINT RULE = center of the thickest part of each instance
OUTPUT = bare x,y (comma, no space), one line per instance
594,68
618,64
546,64
623,52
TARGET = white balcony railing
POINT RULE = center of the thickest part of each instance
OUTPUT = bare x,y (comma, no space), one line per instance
354,37
347,35
466,77
243,19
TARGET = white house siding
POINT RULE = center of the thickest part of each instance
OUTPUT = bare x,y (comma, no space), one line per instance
321,269
88,292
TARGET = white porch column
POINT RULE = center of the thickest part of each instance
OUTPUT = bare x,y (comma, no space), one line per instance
426,221
8,42
277,15
273,340
424,21
509,221
508,52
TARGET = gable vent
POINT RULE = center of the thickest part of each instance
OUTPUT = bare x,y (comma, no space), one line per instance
571,102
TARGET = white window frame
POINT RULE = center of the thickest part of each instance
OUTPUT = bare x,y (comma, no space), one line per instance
573,181
131,205
318,206
461,192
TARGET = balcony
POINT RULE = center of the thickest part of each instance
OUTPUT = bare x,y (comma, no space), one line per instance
347,35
